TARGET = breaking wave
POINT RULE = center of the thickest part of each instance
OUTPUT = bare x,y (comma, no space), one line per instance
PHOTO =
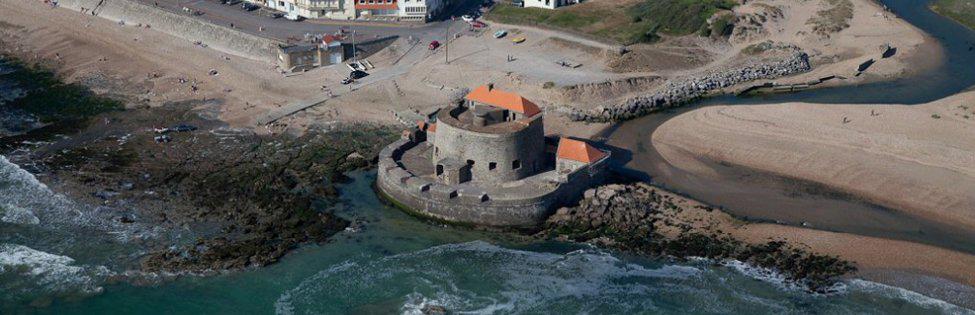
478,277
28,273
481,278
25,200
909,296
51,246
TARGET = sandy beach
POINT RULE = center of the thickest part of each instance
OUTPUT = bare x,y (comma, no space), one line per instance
155,68
915,159
919,160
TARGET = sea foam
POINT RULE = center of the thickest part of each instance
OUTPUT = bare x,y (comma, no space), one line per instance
478,277
42,273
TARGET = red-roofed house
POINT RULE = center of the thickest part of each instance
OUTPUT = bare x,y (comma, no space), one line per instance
574,154
575,150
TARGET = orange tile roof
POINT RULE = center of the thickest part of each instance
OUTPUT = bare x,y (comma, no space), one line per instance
506,100
578,151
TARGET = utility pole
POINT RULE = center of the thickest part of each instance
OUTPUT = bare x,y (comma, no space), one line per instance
355,54
446,45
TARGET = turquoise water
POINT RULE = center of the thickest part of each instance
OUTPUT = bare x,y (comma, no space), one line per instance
68,258
393,263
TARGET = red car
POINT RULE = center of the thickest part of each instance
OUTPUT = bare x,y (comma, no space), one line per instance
434,45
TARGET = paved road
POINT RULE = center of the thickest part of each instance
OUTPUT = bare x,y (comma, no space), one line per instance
283,29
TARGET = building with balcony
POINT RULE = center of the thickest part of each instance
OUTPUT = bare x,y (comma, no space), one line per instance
313,9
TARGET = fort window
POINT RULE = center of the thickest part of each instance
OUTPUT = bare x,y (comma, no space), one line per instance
516,164
492,165
439,169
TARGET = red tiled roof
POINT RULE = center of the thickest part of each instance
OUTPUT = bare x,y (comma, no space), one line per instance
328,39
578,151
506,100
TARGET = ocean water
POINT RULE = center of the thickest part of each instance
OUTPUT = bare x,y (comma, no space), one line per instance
392,263
61,257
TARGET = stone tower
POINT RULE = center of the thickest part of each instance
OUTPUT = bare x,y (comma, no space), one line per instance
492,137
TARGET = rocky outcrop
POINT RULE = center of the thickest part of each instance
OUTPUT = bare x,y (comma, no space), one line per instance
647,220
231,199
681,91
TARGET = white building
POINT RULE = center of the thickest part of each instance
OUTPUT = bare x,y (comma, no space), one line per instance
403,10
548,4
419,10
312,9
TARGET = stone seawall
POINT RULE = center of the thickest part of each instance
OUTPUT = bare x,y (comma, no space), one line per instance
218,37
681,91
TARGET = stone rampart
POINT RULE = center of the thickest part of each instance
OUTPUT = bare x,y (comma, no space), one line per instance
467,204
218,37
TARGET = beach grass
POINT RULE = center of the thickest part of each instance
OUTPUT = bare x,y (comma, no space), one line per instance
962,11
618,21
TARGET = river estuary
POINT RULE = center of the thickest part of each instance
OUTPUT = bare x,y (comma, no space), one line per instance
61,257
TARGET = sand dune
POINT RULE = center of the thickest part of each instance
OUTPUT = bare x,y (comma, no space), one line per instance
919,159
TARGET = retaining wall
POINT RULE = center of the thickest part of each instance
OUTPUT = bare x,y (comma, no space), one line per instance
218,37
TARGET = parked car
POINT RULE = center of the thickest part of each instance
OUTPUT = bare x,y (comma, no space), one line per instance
347,81
467,18
518,3
518,40
434,45
247,6
293,17
231,2
500,33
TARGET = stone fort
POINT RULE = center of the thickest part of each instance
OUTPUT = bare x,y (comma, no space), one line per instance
487,161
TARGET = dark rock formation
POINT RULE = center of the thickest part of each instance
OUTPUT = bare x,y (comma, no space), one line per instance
643,219
237,199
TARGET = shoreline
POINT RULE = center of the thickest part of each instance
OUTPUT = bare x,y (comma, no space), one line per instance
627,208
241,119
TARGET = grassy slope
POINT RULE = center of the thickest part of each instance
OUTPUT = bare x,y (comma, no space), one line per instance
620,21
962,11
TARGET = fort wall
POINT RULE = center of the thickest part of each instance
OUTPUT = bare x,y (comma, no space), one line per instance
464,203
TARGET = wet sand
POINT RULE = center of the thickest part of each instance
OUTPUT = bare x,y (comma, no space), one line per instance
762,196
